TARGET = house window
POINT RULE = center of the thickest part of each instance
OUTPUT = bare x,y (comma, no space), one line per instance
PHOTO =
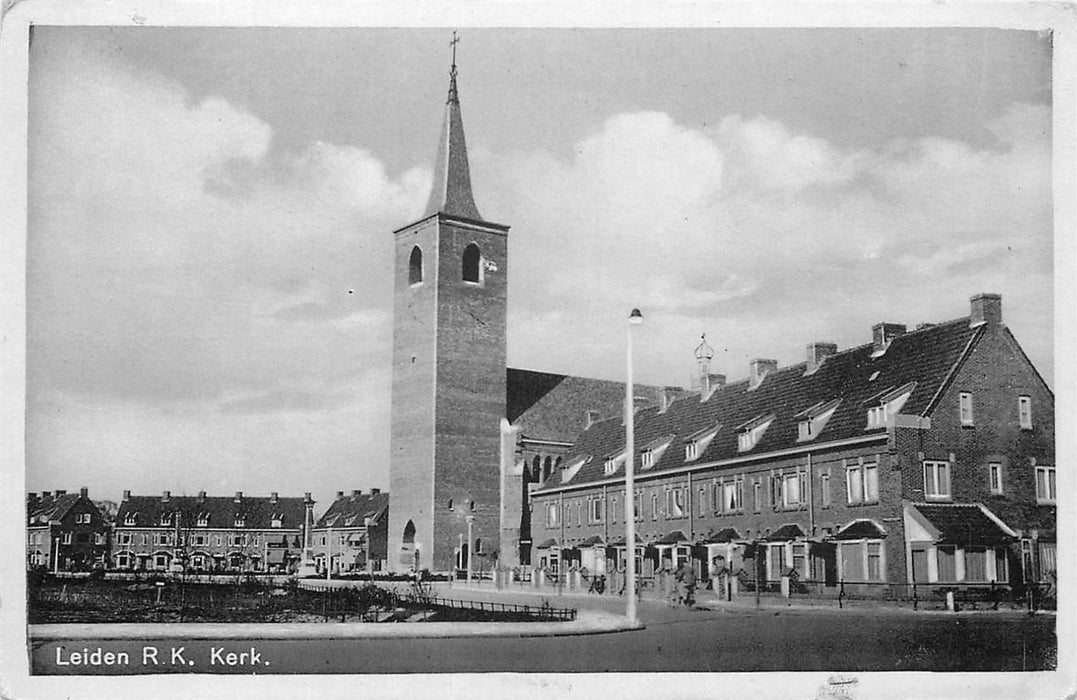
124,538
1045,484
702,502
65,538
472,264
98,538
975,564
579,513
596,510
854,484
646,459
276,522
937,480
875,561
161,561
415,266
1024,411
238,540
82,518
219,541
800,559
757,496
471,505
129,519
824,489
613,509
675,502
791,491
691,450
871,483
654,506
238,522
203,520
965,401
166,519
614,463
887,404
637,506
994,477
552,513
814,419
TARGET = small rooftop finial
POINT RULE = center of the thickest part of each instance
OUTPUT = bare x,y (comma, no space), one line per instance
453,97
704,352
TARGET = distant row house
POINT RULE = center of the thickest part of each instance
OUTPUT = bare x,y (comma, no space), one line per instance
351,536
65,532
925,456
210,533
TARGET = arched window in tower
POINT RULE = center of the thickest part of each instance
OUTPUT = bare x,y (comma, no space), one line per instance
546,466
536,469
472,264
415,266
409,533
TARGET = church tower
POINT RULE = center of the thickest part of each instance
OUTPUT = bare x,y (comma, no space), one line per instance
448,399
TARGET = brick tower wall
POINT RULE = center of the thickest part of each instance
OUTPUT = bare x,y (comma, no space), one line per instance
470,392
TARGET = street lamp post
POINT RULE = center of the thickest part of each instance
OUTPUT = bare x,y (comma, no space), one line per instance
369,566
329,556
634,319
470,522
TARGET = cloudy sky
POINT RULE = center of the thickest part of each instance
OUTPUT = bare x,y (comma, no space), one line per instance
210,217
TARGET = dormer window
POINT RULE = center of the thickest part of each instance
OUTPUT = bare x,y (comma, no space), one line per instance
653,451
203,519
166,518
277,521
613,463
572,469
130,519
884,405
814,419
751,432
238,522
697,443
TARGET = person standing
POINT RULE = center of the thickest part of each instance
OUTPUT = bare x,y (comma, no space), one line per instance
685,576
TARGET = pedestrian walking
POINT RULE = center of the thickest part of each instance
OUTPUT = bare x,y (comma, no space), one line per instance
685,575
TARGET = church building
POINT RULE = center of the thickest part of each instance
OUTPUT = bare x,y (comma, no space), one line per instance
469,436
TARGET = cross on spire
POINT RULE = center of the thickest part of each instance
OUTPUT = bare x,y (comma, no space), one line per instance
453,43
453,97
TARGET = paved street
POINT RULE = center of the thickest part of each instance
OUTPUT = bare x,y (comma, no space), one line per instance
733,639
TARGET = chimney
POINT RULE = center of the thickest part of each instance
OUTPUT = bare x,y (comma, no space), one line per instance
61,492
307,498
127,494
201,496
46,494
986,308
165,496
922,326
375,492
817,352
340,495
84,492
882,334
356,493
592,418
273,497
239,496
758,370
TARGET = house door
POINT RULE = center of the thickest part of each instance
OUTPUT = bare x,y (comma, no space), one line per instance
824,564
919,566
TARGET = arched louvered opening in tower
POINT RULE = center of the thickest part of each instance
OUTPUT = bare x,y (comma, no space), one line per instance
415,266
472,269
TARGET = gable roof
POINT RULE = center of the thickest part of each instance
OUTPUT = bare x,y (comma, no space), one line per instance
257,512
552,406
40,510
352,510
923,359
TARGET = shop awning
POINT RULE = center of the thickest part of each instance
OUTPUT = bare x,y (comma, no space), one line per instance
960,523
546,544
591,541
858,530
785,533
673,538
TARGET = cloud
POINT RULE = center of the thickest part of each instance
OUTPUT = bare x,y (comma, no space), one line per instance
766,238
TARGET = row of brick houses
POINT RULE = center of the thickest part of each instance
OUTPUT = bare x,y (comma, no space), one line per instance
924,456
205,534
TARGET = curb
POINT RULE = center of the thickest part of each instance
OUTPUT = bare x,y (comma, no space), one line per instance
587,622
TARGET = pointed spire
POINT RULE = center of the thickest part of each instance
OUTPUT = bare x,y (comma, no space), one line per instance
451,192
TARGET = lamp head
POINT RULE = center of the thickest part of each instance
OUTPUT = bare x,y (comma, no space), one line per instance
635,318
